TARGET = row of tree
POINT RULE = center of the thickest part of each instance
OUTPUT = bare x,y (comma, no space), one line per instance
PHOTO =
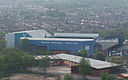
104,76
98,55
12,60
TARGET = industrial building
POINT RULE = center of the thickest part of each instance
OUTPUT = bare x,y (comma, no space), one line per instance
73,61
70,43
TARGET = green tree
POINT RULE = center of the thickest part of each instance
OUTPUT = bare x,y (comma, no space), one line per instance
12,59
68,77
1,62
99,56
111,77
58,77
84,67
7,78
24,45
10,68
104,76
83,53
44,64
28,61
46,52
2,44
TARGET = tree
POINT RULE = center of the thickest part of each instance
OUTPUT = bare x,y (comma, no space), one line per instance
12,59
10,68
1,62
83,53
58,77
44,64
111,77
46,52
2,44
68,77
104,76
28,61
119,34
84,67
99,56
24,45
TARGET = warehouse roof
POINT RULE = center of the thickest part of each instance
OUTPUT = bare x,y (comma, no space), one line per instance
59,39
97,64
50,56
82,35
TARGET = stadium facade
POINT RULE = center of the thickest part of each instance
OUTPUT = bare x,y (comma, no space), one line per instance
70,43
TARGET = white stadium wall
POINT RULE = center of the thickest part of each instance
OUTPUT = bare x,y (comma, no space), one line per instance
10,40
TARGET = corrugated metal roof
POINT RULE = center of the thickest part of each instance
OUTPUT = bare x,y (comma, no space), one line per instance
97,64
50,56
59,39
82,35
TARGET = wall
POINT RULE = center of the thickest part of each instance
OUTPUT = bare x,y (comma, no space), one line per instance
18,36
61,51
73,46
10,41
74,70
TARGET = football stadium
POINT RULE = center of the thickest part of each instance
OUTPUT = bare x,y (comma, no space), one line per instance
69,43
